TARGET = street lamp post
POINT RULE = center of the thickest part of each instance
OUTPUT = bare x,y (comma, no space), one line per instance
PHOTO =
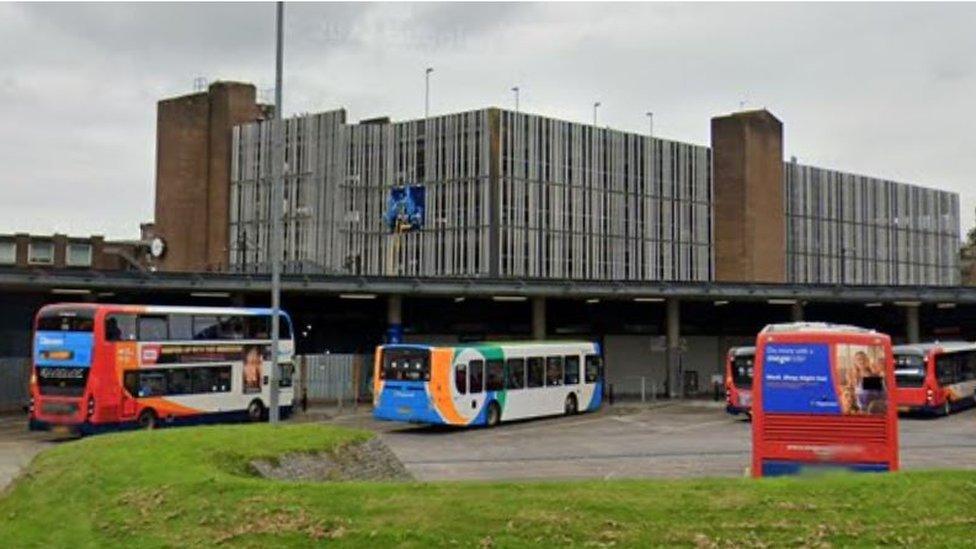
650,123
595,107
427,91
277,185
516,90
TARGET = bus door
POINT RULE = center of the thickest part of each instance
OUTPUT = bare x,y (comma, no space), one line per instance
127,364
822,400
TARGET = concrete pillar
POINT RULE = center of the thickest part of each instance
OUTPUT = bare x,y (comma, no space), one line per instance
673,344
796,311
394,319
911,323
538,318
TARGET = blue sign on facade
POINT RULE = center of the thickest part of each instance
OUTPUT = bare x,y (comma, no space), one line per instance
63,348
797,379
405,208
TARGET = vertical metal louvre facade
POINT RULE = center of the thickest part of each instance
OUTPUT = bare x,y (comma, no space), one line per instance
851,229
580,202
523,196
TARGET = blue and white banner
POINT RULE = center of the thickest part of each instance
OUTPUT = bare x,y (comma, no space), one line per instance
797,378
63,349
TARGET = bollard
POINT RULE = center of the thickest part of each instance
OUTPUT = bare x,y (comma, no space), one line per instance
643,399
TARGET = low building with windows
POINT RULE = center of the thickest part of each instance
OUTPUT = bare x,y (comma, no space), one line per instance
59,251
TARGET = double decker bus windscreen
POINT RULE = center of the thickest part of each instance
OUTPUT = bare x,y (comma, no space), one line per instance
406,365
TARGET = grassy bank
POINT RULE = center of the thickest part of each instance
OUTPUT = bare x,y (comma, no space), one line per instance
191,487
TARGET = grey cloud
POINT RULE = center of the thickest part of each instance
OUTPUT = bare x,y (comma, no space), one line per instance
882,89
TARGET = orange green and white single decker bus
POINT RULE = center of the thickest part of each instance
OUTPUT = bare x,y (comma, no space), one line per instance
99,367
935,378
486,383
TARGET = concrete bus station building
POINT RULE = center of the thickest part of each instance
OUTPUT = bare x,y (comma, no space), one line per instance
666,252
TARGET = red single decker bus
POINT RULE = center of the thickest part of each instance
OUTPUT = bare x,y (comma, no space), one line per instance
935,378
822,400
738,380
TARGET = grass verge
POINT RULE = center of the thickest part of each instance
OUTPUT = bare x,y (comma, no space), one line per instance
191,487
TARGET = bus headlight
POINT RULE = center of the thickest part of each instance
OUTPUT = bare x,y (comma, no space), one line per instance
30,406
929,395
91,406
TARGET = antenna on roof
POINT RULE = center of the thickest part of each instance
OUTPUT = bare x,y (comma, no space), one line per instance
200,84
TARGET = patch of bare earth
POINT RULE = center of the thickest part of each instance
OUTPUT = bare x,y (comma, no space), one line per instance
370,460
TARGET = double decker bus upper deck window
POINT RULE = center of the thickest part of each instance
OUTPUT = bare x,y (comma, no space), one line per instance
66,320
405,364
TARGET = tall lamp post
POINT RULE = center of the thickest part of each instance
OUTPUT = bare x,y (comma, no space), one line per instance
595,107
650,123
427,91
277,185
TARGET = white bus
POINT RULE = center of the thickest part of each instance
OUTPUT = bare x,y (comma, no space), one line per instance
486,383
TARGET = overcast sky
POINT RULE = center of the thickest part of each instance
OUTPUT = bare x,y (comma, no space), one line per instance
882,89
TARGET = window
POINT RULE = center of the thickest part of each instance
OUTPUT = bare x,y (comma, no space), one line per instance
153,328
495,375
180,327
516,373
572,370
594,367
204,327
909,370
945,367
62,381
230,327
120,328
285,374
8,253
461,378
477,368
406,365
178,381
554,371
537,372
78,255
258,327
742,371
66,320
40,253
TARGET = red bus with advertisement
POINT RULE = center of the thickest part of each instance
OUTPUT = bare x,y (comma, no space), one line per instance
822,399
935,378
738,380
100,367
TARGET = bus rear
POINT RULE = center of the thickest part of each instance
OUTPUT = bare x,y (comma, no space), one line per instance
822,400
64,368
402,384
738,380
935,378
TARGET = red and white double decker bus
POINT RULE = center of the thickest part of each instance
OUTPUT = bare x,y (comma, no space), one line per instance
935,378
99,367
738,380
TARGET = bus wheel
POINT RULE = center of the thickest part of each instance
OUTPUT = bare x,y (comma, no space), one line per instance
147,420
494,416
571,406
255,411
